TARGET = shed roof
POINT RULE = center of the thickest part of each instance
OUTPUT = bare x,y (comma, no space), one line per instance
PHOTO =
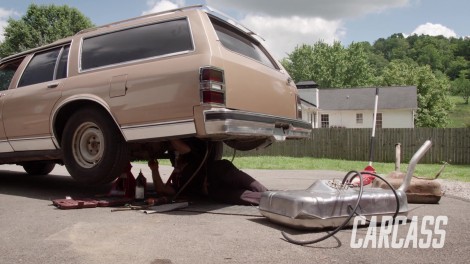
306,84
395,97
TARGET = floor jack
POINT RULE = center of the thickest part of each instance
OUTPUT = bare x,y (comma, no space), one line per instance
330,204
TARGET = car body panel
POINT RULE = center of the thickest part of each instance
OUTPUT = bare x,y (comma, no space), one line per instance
154,98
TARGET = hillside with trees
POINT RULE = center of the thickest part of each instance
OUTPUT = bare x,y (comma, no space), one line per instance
437,66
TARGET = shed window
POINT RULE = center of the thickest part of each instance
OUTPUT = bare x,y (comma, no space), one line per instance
325,120
378,123
359,118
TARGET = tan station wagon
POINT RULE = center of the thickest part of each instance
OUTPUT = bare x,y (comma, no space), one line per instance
114,93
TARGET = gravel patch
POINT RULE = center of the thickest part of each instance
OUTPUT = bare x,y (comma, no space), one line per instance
456,189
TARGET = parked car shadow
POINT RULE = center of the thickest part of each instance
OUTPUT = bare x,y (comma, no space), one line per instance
55,186
58,186
46,187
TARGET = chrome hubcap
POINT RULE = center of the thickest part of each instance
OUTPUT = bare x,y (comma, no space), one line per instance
88,145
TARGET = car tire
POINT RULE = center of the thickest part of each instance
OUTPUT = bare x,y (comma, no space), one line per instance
93,148
38,167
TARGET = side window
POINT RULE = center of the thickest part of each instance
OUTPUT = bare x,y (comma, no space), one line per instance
46,66
136,43
40,68
61,71
7,70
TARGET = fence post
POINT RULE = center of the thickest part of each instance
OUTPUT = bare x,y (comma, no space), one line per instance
397,156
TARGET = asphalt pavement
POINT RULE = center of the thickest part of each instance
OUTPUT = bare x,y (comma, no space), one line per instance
33,231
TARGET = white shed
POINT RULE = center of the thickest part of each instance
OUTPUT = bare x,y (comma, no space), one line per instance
354,107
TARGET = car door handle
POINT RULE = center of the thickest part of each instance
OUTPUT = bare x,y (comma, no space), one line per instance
52,85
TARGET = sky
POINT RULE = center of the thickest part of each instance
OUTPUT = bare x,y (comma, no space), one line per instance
286,24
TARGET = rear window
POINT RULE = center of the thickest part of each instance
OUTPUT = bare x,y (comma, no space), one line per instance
237,41
136,43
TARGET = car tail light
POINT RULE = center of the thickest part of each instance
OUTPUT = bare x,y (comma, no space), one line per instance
212,85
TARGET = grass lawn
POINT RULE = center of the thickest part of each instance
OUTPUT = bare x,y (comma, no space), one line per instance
460,115
451,172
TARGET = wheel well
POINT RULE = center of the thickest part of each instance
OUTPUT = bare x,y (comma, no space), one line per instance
66,111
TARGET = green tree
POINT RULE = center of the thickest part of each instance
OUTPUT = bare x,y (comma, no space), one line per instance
442,54
394,47
42,25
358,69
332,66
435,51
461,86
461,47
456,66
377,61
299,63
433,89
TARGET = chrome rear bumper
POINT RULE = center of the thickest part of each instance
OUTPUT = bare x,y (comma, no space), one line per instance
240,123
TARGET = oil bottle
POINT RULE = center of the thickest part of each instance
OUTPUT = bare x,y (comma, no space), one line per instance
140,186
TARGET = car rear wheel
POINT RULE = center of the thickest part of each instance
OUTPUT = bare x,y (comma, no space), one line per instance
93,148
38,167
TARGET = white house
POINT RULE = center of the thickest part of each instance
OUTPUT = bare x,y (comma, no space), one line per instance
354,107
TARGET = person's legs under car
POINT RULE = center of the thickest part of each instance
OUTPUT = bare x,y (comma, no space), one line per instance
228,184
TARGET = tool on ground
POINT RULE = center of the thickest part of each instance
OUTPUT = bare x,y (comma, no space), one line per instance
79,203
130,207
69,203
329,203
149,202
165,207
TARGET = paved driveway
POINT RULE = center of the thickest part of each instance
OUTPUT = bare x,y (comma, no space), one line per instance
32,231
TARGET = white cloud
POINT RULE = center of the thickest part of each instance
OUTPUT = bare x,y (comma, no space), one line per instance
4,15
285,24
282,35
163,5
434,30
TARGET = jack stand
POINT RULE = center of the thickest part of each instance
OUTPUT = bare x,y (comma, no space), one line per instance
124,185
